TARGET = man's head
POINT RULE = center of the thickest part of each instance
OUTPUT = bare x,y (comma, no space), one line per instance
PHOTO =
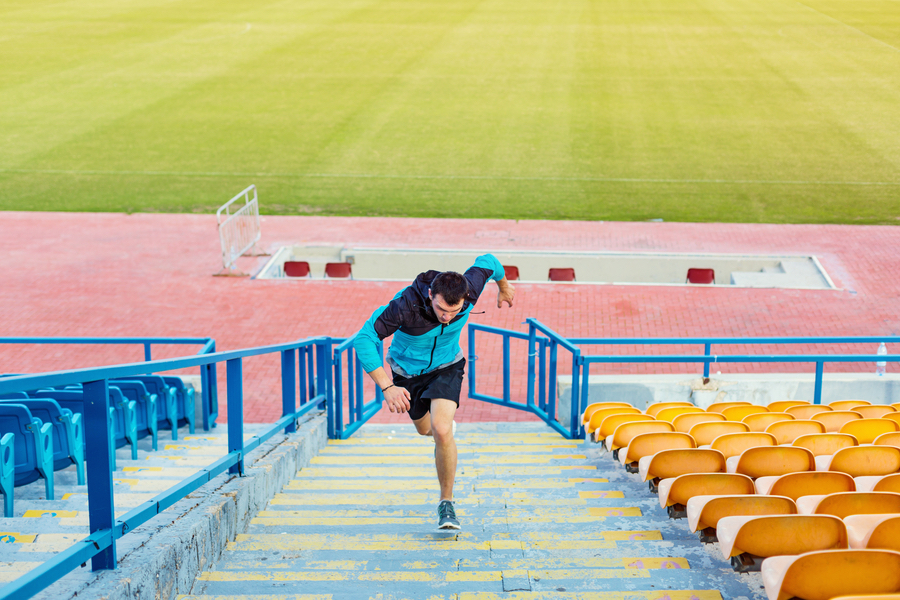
448,294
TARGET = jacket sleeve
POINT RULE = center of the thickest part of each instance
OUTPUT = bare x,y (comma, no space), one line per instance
382,324
486,268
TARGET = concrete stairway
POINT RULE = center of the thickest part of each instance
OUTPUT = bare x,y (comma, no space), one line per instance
543,517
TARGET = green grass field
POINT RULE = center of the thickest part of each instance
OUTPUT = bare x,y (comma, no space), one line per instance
687,110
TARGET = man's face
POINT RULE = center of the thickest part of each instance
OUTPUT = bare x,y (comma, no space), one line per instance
444,311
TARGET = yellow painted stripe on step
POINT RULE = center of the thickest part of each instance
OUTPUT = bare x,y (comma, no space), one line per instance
594,494
336,521
310,514
13,570
139,469
61,514
53,542
631,595
586,562
350,469
622,511
588,480
292,542
398,576
490,484
259,597
526,459
362,484
321,499
12,537
429,449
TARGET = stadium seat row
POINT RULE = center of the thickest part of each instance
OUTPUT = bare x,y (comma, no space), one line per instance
812,502
42,431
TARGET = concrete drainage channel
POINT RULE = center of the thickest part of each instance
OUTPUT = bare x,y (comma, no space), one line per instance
162,558
527,266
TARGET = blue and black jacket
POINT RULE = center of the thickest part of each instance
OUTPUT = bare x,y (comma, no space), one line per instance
421,342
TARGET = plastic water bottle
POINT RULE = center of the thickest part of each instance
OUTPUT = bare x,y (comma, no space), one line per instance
880,365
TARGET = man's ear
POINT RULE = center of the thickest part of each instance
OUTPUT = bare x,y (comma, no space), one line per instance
430,297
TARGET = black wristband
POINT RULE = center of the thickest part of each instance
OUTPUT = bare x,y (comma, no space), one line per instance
383,390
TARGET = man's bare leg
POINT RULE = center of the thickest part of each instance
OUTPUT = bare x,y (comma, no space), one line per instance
439,424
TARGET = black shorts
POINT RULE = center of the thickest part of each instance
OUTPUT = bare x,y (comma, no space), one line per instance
444,383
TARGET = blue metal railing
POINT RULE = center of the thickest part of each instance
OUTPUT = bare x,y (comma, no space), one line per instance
305,366
544,344
209,400
358,409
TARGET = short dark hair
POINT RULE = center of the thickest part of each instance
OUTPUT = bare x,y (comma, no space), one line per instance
452,286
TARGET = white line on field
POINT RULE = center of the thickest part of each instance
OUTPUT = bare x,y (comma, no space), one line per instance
473,177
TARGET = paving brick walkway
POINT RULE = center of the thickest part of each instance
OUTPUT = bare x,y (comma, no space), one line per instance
76,274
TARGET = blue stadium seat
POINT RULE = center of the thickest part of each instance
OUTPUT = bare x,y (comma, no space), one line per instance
184,397
166,408
8,472
68,432
146,407
33,445
14,396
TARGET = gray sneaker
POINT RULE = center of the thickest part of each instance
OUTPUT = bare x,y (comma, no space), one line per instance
447,516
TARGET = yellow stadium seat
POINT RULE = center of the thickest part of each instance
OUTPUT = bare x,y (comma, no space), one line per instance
675,493
835,419
874,531
680,461
732,444
705,433
807,410
875,411
825,444
683,423
847,404
669,414
894,416
658,406
866,430
600,405
878,483
786,432
611,423
648,444
771,461
748,540
844,504
807,483
737,413
705,512
718,407
869,597
625,432
824,574
760,421
783,405
860,461
601,413
888,439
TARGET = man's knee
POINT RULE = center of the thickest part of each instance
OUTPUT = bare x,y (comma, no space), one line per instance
442,431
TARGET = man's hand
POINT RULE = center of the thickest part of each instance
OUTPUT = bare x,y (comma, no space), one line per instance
506,294
397,399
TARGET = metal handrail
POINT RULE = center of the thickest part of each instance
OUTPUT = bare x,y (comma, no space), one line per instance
359,410
309,356
208,379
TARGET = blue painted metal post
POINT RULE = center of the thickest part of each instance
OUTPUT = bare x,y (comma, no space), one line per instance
820,370
707,350
336,399
288,388
532,351
585,387
379,395
472,360
542,374
301,365
574,425
147,354
234,373
101,507
507,395
358,373
323,360
551,388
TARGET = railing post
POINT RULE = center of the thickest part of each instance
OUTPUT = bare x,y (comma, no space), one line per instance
234,372
551,387
707,350
585,387
101,507
358,373
507,395
379,395
532,338
542,374
323,360
576,396
301,367
288,388
817,394
336,398
147,354
472,360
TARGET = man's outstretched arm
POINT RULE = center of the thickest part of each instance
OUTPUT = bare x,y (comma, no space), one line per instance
506,293
379,326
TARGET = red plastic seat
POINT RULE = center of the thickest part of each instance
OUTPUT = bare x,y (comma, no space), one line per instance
296,268
511,272
567,274
339,270
705,276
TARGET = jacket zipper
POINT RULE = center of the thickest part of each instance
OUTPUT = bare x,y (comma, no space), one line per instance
431,360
